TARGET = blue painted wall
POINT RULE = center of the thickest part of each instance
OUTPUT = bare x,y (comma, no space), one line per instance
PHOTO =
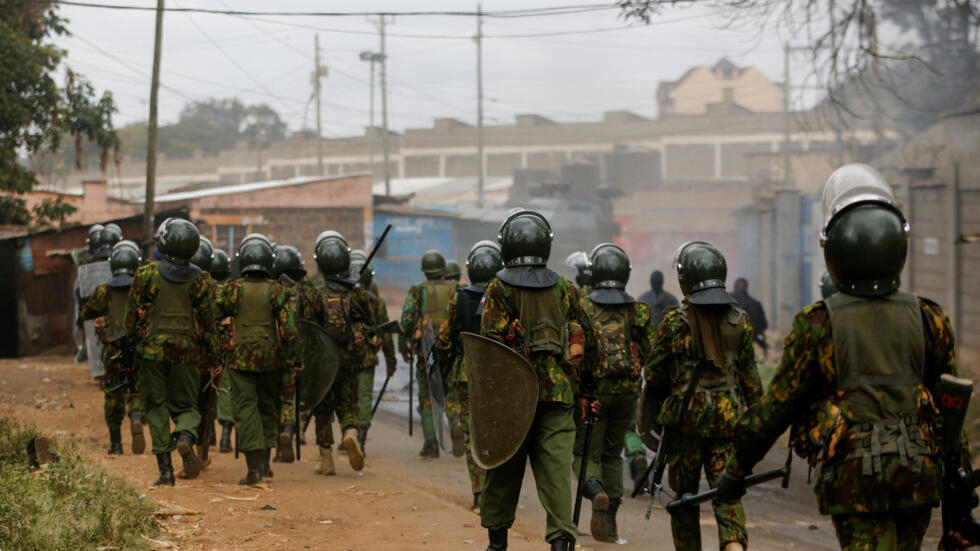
398,261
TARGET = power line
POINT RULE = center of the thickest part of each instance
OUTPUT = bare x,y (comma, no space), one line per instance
529,12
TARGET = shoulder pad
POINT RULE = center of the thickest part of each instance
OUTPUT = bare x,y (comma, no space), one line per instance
928,302
813,308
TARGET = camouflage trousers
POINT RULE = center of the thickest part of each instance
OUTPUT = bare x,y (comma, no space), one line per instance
260,400
548,446
894,531
616,412
365,396
224,412
169,391
422,383
341,401
459,397
123,400
685,463
633,445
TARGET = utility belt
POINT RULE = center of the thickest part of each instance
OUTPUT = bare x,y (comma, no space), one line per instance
868,442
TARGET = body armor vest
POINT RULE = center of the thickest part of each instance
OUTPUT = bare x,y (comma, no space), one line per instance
116,318
468,311
879,354
716,379
336,308
437,295
614,325
172,313
544,322
255,325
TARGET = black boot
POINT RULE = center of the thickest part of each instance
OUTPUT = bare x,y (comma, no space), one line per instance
115,442
253,460
638,467
600,526
225,446
362,439
430,450
613,509
498,539
284,449
166,470
563,544
266,468
185,447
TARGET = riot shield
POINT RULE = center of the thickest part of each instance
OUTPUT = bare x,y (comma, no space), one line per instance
321,361
503,399
437,390
90,276
93,349
647,409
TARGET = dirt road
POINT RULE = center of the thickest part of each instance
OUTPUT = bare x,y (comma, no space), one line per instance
398,503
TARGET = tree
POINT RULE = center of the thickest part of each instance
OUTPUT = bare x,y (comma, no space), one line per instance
907,60
34,112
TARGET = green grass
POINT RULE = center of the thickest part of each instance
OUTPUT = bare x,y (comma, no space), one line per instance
72,504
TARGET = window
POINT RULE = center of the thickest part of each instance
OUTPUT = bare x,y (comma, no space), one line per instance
728,94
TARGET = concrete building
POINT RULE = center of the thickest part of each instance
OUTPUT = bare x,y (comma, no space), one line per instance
702,89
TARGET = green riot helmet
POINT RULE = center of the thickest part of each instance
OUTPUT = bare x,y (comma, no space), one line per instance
125,258
827,286
177,240
93,237
701,272
255,255
851,186
220,265
328,234
610,267
108,237
525,238
453,271
358,255
332,256
204,255
289,261
483,262
433,264
365,278
865,250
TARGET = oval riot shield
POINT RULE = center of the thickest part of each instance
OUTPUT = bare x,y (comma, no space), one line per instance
647,409
321,361
88,278
503,398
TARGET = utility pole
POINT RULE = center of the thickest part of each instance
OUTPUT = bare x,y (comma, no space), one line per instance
318,71
481,161
151,132
384,108
786,114
372,58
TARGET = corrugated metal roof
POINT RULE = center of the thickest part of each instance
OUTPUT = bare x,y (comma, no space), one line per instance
246,188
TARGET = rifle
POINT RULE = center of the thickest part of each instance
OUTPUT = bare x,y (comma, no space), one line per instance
691,500
127,382
584,468
666,444
958,494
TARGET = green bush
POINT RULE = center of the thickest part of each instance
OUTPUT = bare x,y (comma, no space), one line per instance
72,504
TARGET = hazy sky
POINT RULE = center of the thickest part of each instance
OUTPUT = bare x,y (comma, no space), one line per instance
270,59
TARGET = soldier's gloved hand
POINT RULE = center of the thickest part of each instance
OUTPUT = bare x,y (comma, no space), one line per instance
390,368
730,487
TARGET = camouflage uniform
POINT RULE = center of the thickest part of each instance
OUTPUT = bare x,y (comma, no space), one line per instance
345,314
705,432
107,307
384,343
617,394
549,443
451,347
223,408
261,367
891,508
167,360
416,311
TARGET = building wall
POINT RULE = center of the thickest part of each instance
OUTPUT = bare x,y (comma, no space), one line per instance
398,263
749,88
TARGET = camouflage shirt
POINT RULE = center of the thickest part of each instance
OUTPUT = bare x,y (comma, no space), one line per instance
448,343
413,311
382,342
202,346
556,382
709,414
642,336
350,328
286,354
807,377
